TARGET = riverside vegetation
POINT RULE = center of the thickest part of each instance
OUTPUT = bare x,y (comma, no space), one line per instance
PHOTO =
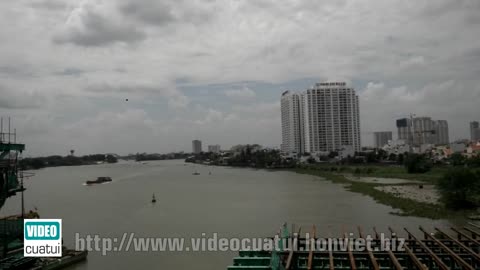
458,184
457,180
35,163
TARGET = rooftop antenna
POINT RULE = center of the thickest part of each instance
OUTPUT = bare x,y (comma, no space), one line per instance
1,129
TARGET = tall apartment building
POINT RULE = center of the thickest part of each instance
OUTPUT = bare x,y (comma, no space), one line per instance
196,146
474,131
441,132
381,138
331,117
292,123
423,130
324,118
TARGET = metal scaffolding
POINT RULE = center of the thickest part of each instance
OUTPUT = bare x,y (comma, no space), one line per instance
452,249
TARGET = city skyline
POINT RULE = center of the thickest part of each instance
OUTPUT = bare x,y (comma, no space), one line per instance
423,130
107,76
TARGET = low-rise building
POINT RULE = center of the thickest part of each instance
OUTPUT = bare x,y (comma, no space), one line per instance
396,147
473,150
458,147
441,153
237,149
214,148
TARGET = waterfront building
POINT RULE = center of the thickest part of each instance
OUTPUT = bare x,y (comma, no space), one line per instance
196,146
331,117
292,123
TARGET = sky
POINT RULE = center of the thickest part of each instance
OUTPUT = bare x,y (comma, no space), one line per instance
215,70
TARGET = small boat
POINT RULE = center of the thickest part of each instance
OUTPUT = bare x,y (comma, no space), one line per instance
153,198
99,180
196,173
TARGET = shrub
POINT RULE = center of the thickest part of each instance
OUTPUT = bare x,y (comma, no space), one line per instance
415,163
457,159
460,188
474,161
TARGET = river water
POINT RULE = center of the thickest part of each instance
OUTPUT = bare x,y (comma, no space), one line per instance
232,202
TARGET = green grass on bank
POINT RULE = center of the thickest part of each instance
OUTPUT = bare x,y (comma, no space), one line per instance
404,206
386,171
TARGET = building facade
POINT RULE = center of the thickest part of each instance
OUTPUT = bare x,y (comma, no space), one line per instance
292,123
417,131
214,148
474,131
331,117
441,132
381,138
196,146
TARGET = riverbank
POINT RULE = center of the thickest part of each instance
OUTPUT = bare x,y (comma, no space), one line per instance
60,161
401,199
425,194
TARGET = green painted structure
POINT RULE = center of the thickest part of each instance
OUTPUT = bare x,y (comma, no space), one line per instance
11,229
452,249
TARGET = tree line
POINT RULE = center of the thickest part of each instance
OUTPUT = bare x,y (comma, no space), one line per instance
57,160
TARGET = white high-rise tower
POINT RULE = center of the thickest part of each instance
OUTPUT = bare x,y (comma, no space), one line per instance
331,117
292,127
324,118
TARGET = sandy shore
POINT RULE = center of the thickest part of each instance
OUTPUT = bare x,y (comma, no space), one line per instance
378,180
427,194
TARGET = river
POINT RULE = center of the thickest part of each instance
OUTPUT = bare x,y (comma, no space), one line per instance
232,202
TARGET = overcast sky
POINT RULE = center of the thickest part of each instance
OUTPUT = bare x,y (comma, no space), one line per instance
214,70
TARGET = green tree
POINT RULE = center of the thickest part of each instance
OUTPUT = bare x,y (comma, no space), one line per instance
415,163
382,154
474,161
311,160
457,159
333,154
400,158
372,157
460,188
111,159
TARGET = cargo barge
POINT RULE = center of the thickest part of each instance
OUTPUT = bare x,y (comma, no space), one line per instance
99,180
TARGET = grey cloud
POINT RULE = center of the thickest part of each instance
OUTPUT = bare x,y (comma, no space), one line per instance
175,98
15,71
70,72
454,101
120,70
157,13
108,88
20,99
97,30
405,45
165,12
49,4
